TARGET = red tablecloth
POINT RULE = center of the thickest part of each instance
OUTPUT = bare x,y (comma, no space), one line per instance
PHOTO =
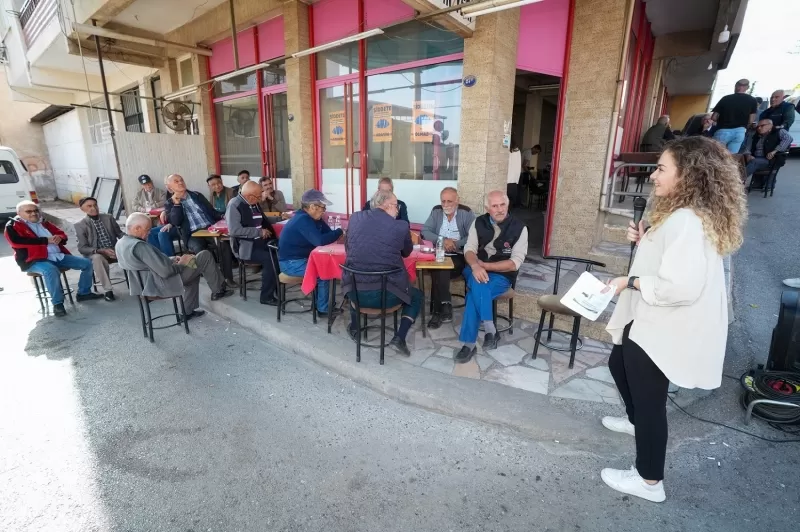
220,227
156,212
324,262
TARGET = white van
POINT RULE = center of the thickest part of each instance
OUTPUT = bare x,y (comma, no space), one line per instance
15,183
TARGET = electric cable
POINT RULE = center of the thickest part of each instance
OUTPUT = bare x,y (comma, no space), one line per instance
783,386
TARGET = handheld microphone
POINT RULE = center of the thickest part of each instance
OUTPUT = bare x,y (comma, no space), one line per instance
639,205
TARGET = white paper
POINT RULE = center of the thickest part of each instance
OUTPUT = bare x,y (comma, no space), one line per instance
586,297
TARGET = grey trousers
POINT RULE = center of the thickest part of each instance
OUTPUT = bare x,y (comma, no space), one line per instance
206,267
100,266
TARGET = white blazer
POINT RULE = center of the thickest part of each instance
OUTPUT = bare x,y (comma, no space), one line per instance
680,316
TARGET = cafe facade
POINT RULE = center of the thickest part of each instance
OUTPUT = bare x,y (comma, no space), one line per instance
337,94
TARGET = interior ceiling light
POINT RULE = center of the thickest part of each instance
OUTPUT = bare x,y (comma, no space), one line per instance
724,35
334,44
484,8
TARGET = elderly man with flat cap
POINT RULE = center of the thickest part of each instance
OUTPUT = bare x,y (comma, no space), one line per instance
97,235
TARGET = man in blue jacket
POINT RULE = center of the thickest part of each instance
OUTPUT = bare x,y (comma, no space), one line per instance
304,232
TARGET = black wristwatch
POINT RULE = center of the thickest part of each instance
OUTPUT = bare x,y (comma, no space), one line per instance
631,281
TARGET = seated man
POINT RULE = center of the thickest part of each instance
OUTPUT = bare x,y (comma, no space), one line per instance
39,247
657,135
97,236
250,231
496,248
386,185
164,276
148,196
451,221
304,232
220,194
764,145
271,200
242,178
190,211
377,241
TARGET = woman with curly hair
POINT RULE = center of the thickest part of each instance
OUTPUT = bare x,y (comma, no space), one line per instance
671,320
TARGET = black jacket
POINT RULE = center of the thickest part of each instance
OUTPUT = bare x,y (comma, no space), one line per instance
176,217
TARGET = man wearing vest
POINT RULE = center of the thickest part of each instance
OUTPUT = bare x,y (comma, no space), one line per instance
250,231
495,250
765,145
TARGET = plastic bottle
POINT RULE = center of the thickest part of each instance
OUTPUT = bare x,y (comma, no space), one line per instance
338,223
440,250
330,222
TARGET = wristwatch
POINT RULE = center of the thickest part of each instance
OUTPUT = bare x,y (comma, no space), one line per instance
631,281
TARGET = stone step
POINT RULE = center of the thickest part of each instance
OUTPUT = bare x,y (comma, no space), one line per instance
615,234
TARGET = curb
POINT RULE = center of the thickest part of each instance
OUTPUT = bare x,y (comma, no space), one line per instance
525,412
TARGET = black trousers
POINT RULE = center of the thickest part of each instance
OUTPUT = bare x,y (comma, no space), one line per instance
224,255
440,282
261,253
643,387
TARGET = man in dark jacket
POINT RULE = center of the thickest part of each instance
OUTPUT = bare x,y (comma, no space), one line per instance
496,248
451,221
250,232
377,241
385,184
658,135
190,211
39,247
97,235
767,146
779,111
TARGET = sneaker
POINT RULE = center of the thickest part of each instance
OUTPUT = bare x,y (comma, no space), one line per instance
109,296
792,283
59,310
435,322
619,424
465,355
399,345
630,482
225,292
447,313
91,296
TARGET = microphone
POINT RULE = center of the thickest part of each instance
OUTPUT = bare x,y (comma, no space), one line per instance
639,205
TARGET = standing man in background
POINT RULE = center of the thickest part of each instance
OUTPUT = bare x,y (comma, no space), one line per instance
733,114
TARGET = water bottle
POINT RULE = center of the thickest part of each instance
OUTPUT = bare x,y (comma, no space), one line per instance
330,222
338,223
440,250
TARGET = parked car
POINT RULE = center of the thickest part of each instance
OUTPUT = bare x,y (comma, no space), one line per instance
794,131
15,183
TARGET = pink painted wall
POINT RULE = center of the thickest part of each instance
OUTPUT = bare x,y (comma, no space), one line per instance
543,37
334,19
379,13
222,59
270,39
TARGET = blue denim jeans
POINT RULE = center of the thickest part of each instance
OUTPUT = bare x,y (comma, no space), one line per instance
51,273
372,299
758,163
731,138
479,303
163,239
297,268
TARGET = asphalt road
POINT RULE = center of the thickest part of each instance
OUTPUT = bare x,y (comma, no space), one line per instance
220,431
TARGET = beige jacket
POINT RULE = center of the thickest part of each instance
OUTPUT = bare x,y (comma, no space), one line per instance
680,316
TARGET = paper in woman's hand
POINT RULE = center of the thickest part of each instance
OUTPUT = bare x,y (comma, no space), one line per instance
588,297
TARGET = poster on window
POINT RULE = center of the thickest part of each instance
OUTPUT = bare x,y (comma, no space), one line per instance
382,123
422,120
337,131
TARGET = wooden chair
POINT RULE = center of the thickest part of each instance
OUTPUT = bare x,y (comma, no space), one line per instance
148,319
552,304
41,288
283,281
367,313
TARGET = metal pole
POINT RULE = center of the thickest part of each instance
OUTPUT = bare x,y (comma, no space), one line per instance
233,36
110,117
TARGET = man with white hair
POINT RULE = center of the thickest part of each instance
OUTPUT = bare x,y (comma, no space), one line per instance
164,276
495,250
779,111
39,247
451,221
658,135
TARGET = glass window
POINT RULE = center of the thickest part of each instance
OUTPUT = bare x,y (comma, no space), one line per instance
413,41
338,61
155,84
235,85
274,75
186,72
413,131
7,173
280,136
239,136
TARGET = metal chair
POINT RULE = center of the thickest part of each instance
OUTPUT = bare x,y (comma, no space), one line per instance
148,319
552,304
765,179
114,280
366,312
41,288
282,281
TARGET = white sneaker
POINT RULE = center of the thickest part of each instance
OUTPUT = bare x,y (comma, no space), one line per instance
630,482
792,283
619,424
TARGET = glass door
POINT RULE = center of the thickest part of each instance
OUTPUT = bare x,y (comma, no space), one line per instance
277,162
340,146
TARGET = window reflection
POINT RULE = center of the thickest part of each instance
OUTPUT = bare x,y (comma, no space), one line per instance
239,136
338,61
413,41
235,85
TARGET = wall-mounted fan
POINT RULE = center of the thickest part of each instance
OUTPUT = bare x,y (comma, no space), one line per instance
177,115
241,122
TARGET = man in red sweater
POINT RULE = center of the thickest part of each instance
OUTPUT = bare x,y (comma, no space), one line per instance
39,248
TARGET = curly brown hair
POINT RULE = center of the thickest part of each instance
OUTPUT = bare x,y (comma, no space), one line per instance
709,183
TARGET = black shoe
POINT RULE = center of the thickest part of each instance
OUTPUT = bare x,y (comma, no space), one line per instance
435,322
195,314
490,341
399,345
447,313
353,333
272,301
59,310
109,296
465,355
225,292
231,283
91,296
